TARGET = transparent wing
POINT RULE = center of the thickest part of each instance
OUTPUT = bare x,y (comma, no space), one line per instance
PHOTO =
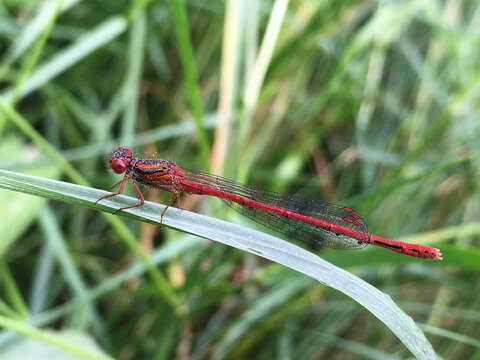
292,228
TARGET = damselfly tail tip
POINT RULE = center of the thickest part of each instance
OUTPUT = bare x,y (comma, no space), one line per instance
437,255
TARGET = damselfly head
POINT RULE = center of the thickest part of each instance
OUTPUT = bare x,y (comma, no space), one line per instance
119,159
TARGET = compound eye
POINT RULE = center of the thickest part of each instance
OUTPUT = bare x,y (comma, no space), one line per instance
118,166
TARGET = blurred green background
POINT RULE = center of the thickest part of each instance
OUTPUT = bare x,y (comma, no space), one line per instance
372,104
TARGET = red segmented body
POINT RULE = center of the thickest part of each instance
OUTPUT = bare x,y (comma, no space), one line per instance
306,220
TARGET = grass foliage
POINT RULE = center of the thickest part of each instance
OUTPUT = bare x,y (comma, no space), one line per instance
369,104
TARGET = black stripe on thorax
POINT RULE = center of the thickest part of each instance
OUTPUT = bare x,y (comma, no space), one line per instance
148,171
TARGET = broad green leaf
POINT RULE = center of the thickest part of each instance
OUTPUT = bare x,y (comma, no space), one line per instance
18,210
52,345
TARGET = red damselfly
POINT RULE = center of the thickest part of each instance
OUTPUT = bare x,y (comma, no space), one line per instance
310,221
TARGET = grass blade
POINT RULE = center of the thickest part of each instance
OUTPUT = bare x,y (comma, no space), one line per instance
246,239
